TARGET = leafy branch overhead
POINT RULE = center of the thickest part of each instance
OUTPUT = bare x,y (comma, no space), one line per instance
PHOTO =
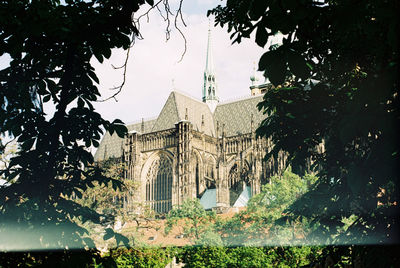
46,100
335,105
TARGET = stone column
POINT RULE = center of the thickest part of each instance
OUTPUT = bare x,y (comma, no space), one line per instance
131,159
222,175
185,185
222,188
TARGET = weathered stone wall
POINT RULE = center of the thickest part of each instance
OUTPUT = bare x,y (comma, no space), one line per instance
200,161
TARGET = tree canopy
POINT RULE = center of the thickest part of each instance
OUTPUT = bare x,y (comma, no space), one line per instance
336,84
46,100
197,223
264,221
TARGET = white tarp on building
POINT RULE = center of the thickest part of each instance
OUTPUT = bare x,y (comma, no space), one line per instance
243,198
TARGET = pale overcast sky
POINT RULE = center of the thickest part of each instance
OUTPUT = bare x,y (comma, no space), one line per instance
153,64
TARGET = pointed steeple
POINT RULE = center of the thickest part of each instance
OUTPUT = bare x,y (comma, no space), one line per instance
210,88
209,60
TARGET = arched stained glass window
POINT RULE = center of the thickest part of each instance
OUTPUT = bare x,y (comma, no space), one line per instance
159,185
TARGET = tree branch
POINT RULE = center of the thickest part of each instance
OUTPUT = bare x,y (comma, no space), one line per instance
119,88
136,23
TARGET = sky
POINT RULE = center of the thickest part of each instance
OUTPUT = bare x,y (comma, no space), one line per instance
154,69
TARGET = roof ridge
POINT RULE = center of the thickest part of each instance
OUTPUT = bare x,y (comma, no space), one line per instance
145,119
193,99
176,105
237,99
188,96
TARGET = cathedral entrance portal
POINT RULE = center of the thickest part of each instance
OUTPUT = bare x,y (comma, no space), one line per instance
159,185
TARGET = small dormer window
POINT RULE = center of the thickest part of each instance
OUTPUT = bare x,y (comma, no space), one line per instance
209,78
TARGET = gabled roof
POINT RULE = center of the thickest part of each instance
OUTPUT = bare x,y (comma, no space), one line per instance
111,145
182,107
236,115
168,115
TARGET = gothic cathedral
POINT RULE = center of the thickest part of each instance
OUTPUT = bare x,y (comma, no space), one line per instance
196,149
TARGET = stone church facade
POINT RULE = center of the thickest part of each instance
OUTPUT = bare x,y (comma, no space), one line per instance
194,147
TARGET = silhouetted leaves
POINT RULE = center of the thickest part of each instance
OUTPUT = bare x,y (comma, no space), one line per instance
261,36
336,103
51,45
297,65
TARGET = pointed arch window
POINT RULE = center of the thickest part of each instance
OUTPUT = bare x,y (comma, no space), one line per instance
159,185
237,180
210,174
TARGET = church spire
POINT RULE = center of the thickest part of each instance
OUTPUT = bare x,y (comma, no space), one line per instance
210,88
209,60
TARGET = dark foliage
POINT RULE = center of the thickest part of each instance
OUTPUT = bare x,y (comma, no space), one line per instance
57,258
46,96
336,83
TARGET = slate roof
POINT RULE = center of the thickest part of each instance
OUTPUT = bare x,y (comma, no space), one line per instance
179,105
111,145
236,115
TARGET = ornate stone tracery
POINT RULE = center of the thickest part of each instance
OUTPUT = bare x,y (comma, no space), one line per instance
237,181
192,147
210,173
172,174
159,185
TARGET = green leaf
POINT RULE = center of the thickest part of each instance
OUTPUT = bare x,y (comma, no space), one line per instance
297,65
78,194
95,143
107,53
27,144
109,234
46,98
121,130
118,122
81,103
263,62
274,66
93,76
116,185
119,127
42,88
52,86
261,36
257,9
87,143
121,239
98,56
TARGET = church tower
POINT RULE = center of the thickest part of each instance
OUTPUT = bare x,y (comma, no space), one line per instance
210,88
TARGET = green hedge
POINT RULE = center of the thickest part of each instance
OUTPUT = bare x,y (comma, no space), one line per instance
196,257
